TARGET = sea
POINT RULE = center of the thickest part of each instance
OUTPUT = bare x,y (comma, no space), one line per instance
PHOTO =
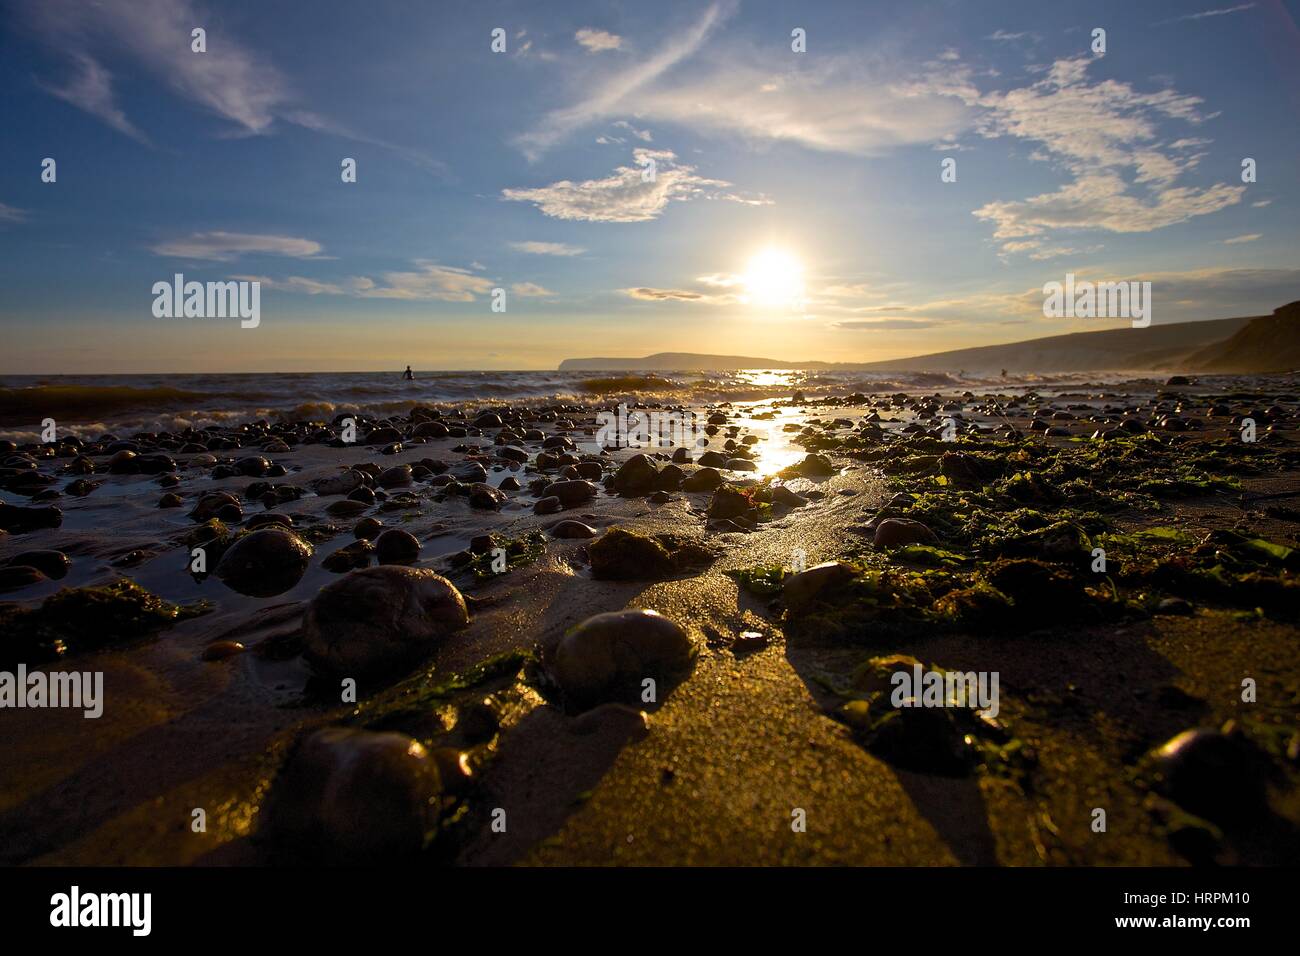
93,405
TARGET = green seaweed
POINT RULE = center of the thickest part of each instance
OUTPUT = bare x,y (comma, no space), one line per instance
87,618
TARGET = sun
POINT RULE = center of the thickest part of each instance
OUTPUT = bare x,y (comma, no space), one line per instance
774,279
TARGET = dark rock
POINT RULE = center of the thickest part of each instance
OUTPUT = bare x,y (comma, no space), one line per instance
399,476
729,502
349,557
815,466
621,555
705,479
637,476
19,520
548,506
265,562
799,590
893,532
347,796
52,564
15,576
607,657
483,495
570,493
378,619
1217,775
397,547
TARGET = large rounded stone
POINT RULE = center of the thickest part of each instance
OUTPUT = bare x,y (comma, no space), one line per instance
571,493
622,555
378,619
355,796
395,546
893,532
639,475
53,564
606,657
265,563
801,589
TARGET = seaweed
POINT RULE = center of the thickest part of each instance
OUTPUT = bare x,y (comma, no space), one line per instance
87,618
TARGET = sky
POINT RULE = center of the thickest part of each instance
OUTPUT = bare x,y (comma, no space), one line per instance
737,177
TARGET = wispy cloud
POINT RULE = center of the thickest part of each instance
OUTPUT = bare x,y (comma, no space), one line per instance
428,281
11,214
298,284
558,124
548,248
628,195
90,88
225,246
530,289
598,41
1222,11
1250,237
679,295
229,79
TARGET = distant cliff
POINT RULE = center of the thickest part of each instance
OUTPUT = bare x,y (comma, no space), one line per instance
1270,343
1176,347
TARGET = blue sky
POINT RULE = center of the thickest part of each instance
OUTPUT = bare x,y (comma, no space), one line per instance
817,172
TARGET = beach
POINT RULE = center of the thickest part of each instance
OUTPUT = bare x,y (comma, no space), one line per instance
835,536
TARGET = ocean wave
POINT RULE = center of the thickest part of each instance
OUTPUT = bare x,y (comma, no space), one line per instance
33,404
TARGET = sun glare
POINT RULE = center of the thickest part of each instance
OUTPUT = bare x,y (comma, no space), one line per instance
774,279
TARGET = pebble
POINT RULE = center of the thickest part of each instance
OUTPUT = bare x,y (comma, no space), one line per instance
606,657
355,797
376,619
397,547
265,563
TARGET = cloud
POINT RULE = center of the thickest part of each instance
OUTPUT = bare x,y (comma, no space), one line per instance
679,295
299,284
548,248
641,134
1262,203
1178,296
835,104
229,80
10,214
875,325
558,124
597,41
91,89
530,289
1005,36
627,195
1247,238
1207,13
225,246
428,281
1104,134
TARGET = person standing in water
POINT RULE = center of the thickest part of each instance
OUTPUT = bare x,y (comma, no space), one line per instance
408,374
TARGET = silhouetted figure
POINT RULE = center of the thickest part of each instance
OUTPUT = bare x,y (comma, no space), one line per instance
408,374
